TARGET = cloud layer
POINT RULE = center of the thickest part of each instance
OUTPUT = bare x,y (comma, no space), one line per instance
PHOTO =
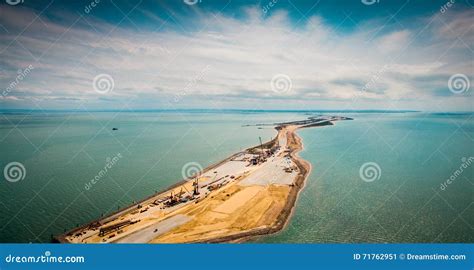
230,63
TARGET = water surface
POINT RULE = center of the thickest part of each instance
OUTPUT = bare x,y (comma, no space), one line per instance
416,152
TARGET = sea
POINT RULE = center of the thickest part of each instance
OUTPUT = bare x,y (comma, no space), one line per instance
383,177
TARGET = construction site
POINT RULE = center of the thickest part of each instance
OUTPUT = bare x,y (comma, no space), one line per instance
248,194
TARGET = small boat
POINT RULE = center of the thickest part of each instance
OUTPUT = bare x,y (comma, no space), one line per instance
114,128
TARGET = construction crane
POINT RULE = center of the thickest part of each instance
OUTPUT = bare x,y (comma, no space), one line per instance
173,200
196,186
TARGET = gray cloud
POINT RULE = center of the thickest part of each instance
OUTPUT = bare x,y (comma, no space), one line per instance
231,62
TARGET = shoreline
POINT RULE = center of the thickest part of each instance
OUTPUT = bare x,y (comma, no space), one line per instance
62,237
288,211
185,217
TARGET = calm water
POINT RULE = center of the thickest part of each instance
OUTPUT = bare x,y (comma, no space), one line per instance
415,152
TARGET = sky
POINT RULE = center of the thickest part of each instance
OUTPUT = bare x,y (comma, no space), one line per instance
229,54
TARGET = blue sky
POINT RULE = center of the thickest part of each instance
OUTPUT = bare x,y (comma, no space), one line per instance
237,54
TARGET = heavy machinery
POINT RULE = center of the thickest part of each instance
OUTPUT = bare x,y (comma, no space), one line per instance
196,187
173,200
111,228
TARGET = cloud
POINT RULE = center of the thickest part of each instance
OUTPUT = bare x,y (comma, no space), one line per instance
394,41
230,62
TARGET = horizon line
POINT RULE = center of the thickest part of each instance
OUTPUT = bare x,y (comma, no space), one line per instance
231,110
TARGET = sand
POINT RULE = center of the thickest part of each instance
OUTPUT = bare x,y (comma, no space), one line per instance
237,200
149,233
249,200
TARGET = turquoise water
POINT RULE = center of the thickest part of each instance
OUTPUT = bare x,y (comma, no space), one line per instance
61,152
416,152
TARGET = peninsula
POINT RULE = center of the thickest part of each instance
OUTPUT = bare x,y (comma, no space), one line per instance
249,194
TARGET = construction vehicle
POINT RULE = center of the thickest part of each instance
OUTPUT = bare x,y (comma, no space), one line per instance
173,200
115,227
